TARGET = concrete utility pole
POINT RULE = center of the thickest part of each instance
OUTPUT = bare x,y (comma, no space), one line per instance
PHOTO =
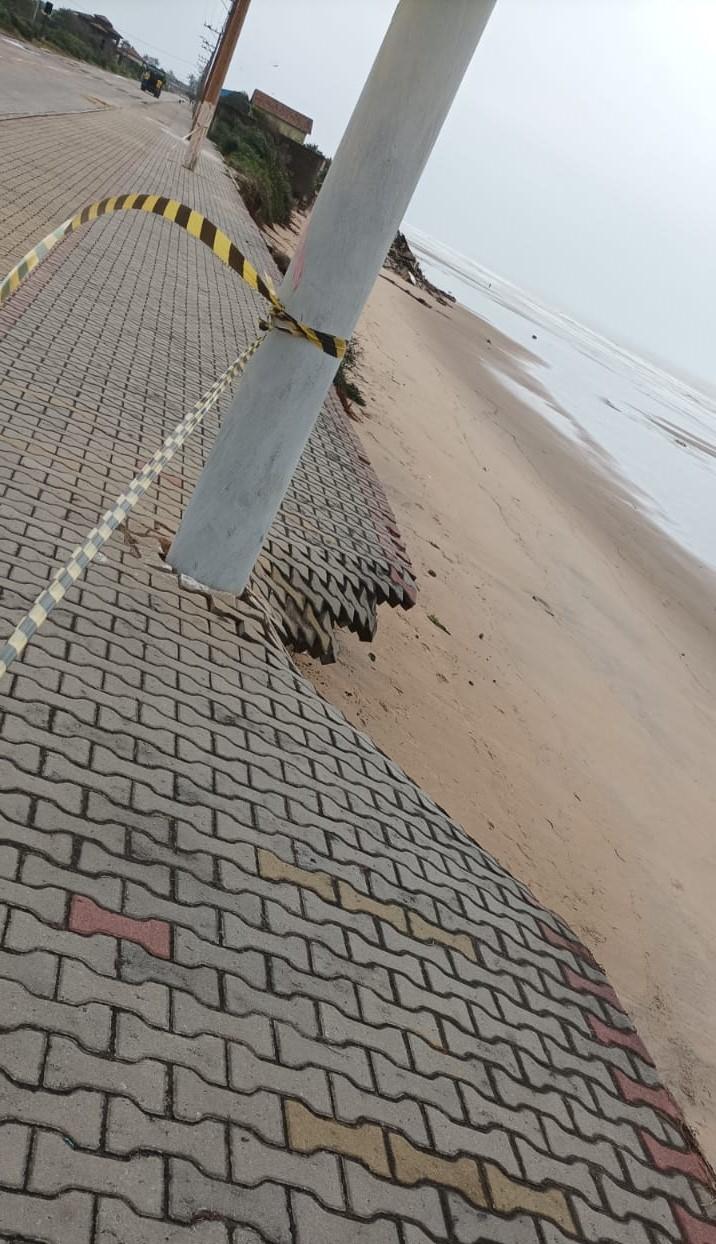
383,152
218,66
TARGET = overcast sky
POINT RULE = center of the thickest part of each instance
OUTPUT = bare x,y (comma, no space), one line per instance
579,159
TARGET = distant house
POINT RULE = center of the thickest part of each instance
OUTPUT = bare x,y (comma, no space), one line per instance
286,120
129,56
96,30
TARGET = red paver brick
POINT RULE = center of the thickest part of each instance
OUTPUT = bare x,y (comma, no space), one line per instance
641,1094
87,917
665,1158
694,1230
584,985
566,943
629,1040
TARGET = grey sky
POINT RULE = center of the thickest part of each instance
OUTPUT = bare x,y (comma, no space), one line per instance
578,161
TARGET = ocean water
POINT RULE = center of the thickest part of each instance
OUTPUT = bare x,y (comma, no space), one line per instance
655,432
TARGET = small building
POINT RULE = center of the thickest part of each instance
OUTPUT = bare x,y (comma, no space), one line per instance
96,30
129,56
287,121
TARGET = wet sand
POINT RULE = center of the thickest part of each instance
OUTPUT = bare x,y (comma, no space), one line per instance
566,714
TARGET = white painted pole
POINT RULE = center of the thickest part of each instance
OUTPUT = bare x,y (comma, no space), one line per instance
377,166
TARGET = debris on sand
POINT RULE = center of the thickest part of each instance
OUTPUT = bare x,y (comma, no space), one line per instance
401,259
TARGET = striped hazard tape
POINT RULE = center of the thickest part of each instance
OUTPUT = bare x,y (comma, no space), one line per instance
116,516
199,227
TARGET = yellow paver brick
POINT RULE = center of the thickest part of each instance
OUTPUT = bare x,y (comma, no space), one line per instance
352,900
275,869
413,1166
427,932
509,1196
308,1132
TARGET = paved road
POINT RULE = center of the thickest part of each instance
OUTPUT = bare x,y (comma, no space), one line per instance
255,987
36,81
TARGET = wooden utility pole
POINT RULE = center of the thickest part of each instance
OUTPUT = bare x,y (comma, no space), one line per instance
361,204
214,80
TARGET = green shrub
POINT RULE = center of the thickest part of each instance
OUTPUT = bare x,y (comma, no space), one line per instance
248,147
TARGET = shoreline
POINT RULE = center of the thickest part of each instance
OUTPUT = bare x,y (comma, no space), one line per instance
557,718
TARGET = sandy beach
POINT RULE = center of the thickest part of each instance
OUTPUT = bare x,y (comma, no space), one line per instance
553,687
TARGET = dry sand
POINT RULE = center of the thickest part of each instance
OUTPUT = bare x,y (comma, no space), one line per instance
567,719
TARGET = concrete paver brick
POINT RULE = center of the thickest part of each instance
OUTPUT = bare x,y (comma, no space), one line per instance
319,911
78,1115
472,1226
192,1018
540,1167
415,999
275,869
95,860
432,1062
509,1196
671,1184
37,970
379,1012
330,967
594,1127
450,1138
118,1224
427,932
57,1168
243,999
194,951
69,1067
234,898
315,1225
65,1219
14,1153
106,891
87,918
467,1046
145,908
355,900
22,1053
517,1094
339,1028
248,1073
594,1152
599,1226
414,1166
308,1132
288,925
368,1197
47,901
406,964
204,1143
435,1089
194,1099
253,1162
90,1024
80,984
298,1051
654,1209
136,1040
353,1105
241,936
193,1196
138,967
301,985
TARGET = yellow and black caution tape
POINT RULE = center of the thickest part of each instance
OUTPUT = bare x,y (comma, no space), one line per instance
199,227
116,516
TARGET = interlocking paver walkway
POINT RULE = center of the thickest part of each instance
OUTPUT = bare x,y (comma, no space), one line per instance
255,987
